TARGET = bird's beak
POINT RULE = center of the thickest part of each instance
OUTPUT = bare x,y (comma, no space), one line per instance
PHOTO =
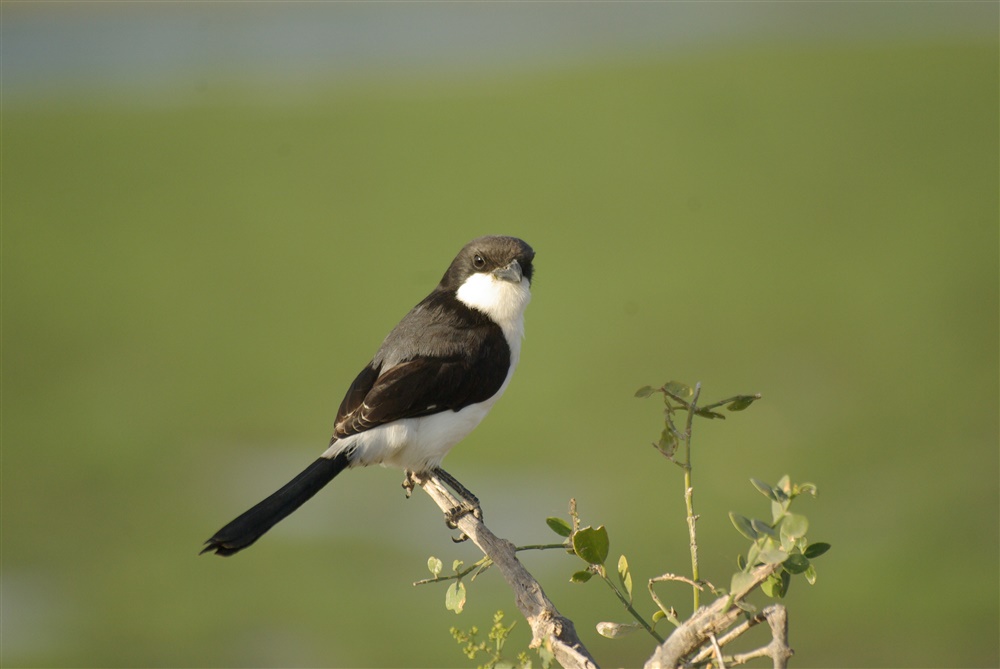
511,272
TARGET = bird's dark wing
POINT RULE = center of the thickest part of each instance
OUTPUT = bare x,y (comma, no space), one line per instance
421,387
443,356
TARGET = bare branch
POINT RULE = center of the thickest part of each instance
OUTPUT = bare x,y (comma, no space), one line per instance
715,619
717,649
548,626
777,618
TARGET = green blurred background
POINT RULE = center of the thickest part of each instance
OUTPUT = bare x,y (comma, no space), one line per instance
213,213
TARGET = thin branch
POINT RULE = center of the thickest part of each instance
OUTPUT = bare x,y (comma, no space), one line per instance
539,547
736,632
548,626
631,609
671,612
778,650
718,651
484,564
692,519
714,618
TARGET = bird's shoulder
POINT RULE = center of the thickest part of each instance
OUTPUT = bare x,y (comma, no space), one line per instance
439,326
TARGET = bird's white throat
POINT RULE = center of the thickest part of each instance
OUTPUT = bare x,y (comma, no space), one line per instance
503,301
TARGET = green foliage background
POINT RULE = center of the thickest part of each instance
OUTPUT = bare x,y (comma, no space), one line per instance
188,289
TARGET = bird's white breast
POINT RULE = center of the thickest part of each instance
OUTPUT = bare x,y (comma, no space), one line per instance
503,301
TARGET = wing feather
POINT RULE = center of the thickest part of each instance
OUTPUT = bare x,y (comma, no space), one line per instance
442,356
418,387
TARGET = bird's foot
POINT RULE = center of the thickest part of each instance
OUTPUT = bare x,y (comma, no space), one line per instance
409,483
470,503
456,513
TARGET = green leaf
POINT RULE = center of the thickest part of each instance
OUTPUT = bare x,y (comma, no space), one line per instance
810,574
815,550
778,510
789,544
741,562
742,402
765,489
776,585
678,389
658,615
668,442
763,528
785,484
771,586
773,555
581,576
741,581
794,525
592,544
625,575
434,565
559,526
708,413
743,526
454,599
796,563
753,554
645,392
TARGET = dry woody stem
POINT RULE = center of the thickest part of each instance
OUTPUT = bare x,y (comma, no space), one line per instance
548,626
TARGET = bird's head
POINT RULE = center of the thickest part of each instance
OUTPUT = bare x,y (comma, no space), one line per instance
493,275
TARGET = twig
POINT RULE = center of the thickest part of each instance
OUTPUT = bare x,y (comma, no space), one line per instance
631,609
692,519
714,618
777,617
484,564
548,626
671,613
718,651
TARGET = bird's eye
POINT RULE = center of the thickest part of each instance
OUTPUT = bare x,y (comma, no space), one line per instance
478,261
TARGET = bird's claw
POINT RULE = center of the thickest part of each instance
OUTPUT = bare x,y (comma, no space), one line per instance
456,513
409,483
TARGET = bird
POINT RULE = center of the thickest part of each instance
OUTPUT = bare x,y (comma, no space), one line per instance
433,379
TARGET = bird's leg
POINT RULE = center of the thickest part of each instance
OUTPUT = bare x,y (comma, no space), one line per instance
472,502
409,483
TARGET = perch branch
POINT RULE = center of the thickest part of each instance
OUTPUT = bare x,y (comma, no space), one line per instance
548,626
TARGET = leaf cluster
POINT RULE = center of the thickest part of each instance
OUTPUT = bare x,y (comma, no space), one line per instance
679,396
455,596
780,541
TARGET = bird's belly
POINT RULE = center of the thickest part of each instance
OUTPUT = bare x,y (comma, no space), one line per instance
415,444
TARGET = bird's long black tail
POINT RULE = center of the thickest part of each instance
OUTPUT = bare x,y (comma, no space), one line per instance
249,526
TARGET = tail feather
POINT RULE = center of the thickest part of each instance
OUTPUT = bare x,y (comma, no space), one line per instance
249,526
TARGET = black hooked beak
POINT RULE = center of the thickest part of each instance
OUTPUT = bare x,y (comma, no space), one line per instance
512,272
